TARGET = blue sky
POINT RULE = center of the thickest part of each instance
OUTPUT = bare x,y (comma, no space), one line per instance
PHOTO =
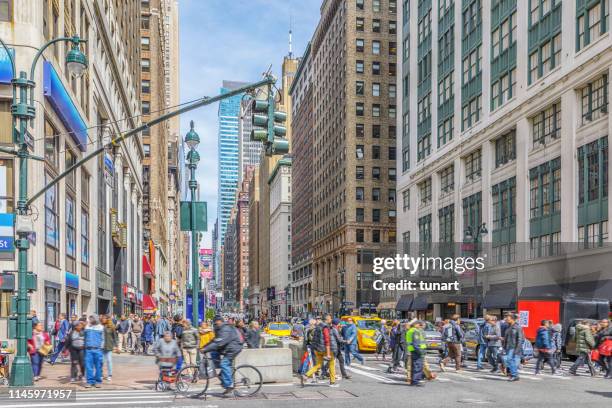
234,40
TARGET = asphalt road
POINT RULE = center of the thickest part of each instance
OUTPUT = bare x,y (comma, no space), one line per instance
372,387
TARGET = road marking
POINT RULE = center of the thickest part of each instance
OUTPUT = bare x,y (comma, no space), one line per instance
464,376
80,404
373,376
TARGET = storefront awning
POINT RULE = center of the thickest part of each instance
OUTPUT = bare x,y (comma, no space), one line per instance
149,304
544,291
404,303
500,299
598,289
146,267
420,303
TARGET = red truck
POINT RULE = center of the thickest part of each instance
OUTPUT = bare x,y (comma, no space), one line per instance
565,310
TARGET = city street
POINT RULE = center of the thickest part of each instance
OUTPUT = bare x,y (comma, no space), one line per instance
370,386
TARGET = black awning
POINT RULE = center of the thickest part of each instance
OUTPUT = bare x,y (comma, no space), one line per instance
420,303
404,303
500,299
599,289
544,291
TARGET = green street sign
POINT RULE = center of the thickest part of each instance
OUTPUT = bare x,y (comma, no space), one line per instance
201,217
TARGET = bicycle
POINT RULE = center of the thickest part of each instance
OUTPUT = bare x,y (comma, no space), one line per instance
193,381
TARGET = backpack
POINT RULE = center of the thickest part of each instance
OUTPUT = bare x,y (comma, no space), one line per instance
447,333
55,329
317,337
240,336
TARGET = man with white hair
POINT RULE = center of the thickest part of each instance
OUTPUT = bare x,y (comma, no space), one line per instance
94,343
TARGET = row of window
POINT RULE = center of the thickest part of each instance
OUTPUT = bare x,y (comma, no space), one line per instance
376,25
376,215
376,67
376,194
376,5
376,47
376,89
376,154
376,131
376,173
376,110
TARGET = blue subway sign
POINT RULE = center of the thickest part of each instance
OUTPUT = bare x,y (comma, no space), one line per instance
63,105
7,232
6,69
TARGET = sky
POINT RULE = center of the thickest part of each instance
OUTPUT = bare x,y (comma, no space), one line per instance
233,40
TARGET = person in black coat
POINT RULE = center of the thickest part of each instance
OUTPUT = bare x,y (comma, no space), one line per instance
253,335
228,342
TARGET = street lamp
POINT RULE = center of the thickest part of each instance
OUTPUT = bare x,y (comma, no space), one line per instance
24,111
192,140
474,236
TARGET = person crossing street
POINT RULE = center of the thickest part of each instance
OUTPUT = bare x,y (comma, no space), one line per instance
417,347
325,347
453,337
513,345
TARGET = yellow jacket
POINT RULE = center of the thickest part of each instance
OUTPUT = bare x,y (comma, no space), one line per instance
206,337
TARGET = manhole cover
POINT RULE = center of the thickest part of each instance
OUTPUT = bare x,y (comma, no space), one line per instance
280,395
338,394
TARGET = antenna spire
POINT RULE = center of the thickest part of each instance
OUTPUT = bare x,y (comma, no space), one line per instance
290,37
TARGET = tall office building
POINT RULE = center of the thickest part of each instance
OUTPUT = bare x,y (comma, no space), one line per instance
228,154
301,187
504,102
353,149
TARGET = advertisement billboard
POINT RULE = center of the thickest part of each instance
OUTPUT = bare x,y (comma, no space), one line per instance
206,260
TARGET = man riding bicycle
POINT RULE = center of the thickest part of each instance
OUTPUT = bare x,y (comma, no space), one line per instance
228,343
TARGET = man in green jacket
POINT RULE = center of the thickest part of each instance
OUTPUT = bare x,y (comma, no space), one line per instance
584,344
415,340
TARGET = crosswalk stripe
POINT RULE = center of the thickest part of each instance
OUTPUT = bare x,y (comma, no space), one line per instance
371,375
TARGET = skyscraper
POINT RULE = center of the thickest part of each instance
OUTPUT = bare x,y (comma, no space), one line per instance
229,158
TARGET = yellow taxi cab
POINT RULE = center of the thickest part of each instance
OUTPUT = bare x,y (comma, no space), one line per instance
366,330
279,329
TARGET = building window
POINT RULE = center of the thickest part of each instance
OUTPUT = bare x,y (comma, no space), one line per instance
472,211
546,125
545,58
425,191
376,173
392,69
392,27
392,130
446,89
146,107
359,152
376,68
70,228
424,108
504,204
69,161
503,36
593,166
392,6
447,179
144,22
545,189
375,89
471,112
359,108
445,130
595,99
359,88
425,237
375,235
392,152
376,6
392,48
545,245
7,186
359,24
406,241
6,123
471,16
359,194
505,149
503,89
375,110
392,111
593,235
376,194
392,90
359,130
446,220
147,149
392,174
376,26
146,86
376,152
359,67
405,158
359,4
359,235
359,172
359,44
391,195
376,215
376,131
592,22
51,145
423,147
145,43
359,215
406,200
472,65
145,65
84,236
473,166
6,10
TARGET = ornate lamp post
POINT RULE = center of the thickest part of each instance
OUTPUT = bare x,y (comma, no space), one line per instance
192,140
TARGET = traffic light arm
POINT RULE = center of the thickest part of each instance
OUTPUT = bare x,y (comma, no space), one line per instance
117,140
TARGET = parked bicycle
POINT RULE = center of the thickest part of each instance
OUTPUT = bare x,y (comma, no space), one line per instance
193,381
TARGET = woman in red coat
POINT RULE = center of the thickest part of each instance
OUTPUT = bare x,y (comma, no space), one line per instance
39,338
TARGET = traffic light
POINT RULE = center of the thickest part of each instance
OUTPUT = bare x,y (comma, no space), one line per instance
269,126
